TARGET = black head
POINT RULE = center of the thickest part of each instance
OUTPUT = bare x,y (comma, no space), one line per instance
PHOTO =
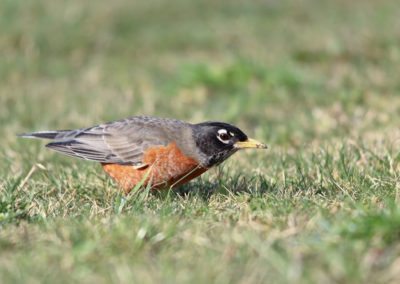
218,141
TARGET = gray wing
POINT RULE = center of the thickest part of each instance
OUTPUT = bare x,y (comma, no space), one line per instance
119,142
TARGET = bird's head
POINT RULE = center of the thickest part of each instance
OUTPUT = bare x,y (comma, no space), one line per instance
218,141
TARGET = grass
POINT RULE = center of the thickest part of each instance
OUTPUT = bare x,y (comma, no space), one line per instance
316,80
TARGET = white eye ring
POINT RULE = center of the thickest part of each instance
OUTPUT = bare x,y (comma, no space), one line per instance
223,132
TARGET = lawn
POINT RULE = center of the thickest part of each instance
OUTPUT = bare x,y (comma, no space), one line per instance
318,81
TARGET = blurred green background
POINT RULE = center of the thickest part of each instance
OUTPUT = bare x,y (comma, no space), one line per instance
318,81
294,71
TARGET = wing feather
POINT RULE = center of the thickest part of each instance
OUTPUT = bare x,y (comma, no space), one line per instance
119,142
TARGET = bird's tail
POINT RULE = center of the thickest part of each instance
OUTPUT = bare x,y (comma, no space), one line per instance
44,134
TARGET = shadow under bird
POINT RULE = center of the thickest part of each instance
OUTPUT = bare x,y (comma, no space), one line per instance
160,152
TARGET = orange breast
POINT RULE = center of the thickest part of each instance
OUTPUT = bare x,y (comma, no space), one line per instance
168,167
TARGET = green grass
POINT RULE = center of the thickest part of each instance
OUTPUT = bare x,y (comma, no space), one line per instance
318,81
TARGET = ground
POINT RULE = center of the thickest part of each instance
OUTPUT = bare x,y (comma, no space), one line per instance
318,81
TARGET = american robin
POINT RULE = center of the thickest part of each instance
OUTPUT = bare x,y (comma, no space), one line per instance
143,149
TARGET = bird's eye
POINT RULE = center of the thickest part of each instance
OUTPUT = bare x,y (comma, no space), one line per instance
223,136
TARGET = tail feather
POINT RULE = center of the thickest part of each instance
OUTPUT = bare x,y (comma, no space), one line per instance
43,134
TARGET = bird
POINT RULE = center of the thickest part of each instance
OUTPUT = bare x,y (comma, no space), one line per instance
151,151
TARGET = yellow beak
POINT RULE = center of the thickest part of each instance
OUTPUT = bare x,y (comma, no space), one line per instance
250,143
